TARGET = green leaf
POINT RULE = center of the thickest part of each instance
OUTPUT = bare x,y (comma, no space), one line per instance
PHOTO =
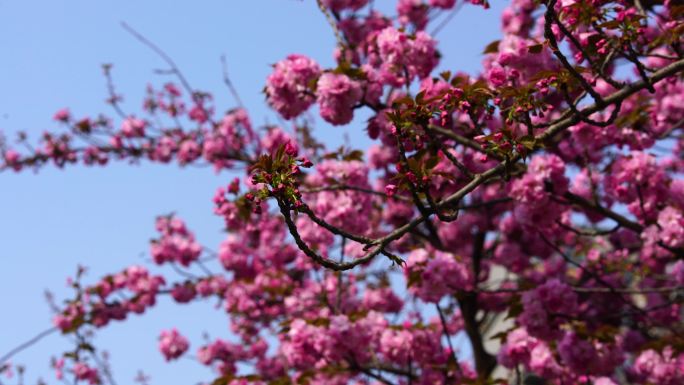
610,24
515,308
223,380
446,75
354,155
403,100
414,278
413,164
528,141
492,47
431,162
535,49
420,97
86,346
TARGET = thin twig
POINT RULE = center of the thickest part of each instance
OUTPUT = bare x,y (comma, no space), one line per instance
229,83
161,54
27,344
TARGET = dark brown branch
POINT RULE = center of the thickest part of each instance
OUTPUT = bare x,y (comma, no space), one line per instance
621,220
554,129
323,261
579,289
578,46
468,303
445,331
340,187
462,140
551,18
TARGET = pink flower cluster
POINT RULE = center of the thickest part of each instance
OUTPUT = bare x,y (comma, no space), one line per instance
545,309
133,128
337,96
431,276
404,57
468,182
545,177
587,357
83,372
231,135
341,208
413,12
289,87
639,181
176,244
225,353
444,4
172,345
94,307
662,368
340,5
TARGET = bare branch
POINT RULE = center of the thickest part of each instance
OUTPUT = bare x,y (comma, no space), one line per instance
27,344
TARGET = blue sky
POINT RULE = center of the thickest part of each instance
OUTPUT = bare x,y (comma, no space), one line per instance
52,51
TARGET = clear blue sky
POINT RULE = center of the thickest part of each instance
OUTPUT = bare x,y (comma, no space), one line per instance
51,52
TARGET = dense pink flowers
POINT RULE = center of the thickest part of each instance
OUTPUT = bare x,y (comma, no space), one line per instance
446,4
434,275
340,5
414,12
95,308
342,208
534,191
546,176
666,367
543,362
83,372
337,95
12,159
63,115
288,88
133,128
176,243
517,348
538,201
544,308
172,345
670,227
225,353
402,55
583,357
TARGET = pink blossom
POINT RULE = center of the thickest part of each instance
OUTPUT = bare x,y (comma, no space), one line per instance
444,4
133,128
177,243
414,12
13,159
172,344
337,95
517,348
288,87
542,307
579,355
437,274
340,5
399,51
84,372
543,363
497,76
671,227
63,115
664,367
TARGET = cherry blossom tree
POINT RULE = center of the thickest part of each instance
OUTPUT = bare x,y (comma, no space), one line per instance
538,204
